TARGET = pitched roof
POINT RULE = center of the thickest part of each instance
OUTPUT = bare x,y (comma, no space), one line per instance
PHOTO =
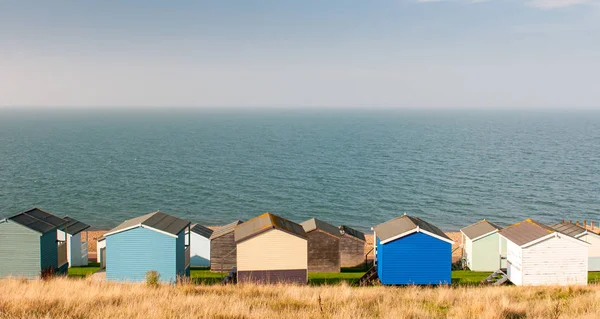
224,230
345,230
157,220
264,222
569,229
316,224
526,231
405,223
38,220
479,229
201,230
74,226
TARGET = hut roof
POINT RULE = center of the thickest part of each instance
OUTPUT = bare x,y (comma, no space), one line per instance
224,230
479,229
405,225
201,230
569,229
74,227
316,224
38,220
157,220
526,231
265,222
345,230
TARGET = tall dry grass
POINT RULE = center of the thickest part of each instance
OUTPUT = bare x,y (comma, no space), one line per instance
67,298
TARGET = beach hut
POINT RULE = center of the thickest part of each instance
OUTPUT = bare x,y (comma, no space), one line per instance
586,235
481,246
155,242
410,251
222,248
200,245
352,247
323,246
29,245
271,249
101,251
540,255
77,249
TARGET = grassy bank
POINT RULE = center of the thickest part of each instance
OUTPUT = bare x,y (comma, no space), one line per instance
69,298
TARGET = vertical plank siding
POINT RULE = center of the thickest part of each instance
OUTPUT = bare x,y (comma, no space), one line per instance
49,251
222,253
20,251
323,252
352,252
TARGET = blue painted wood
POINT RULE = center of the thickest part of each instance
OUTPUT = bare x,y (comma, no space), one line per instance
49,251
181,254
132,253
417,259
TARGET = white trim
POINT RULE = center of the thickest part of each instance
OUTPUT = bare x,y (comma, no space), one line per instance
450,241
160,231
587,232
555,235
398,236
122,230
484,235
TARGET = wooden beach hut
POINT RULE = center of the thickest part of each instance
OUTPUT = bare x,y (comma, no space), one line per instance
77,248
200,245
29,245
540,255
411,251
481,246
271,249
352,247
323,246
222,248
586,235
155,242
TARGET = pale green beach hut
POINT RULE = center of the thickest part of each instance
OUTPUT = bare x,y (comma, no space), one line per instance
481,247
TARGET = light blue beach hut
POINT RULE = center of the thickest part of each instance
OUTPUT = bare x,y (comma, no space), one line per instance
156,241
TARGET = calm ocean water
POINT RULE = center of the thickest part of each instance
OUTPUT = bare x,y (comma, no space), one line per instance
359,168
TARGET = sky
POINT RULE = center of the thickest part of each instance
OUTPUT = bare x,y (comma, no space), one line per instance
226,53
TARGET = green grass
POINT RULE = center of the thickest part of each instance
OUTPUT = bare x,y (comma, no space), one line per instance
328,278
84,271
594,277
466,277
205,276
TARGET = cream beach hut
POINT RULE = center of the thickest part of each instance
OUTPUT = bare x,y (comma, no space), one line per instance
540,255
586,235
481,246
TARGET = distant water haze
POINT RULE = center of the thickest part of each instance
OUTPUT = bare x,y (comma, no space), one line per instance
353,167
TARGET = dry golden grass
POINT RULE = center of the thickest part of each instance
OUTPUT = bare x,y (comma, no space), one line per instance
68,298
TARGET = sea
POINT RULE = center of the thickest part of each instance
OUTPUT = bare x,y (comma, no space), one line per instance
356,167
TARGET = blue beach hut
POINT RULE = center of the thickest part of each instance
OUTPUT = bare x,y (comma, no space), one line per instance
156,241
410,251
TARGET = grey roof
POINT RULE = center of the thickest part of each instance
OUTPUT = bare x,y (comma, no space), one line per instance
569,229
157,220
74,227
316,224
224,230
201,230
479,229
38,220
403,224
265,222
526,231
345,230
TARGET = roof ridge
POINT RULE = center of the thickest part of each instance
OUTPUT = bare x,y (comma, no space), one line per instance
41,220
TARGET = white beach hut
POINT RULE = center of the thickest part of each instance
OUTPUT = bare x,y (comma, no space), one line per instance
540,255
77,249
586,235
200,246
101,251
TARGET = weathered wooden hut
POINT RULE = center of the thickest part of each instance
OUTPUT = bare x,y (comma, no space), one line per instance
411,251
481,246
271,249
29,245
540,255
155,242
77,249
200,245
352,247
586,235
223,248
323,246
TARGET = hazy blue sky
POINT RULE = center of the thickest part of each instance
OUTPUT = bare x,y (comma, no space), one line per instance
401,53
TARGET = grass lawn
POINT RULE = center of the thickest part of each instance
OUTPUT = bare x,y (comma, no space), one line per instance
466,277
205,276
328,278
594,277
84,271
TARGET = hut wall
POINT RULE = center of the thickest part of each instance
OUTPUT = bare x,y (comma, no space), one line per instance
556,261
223,253
19,251
594,251
200,251
514,262
352,252
323,252
485,254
